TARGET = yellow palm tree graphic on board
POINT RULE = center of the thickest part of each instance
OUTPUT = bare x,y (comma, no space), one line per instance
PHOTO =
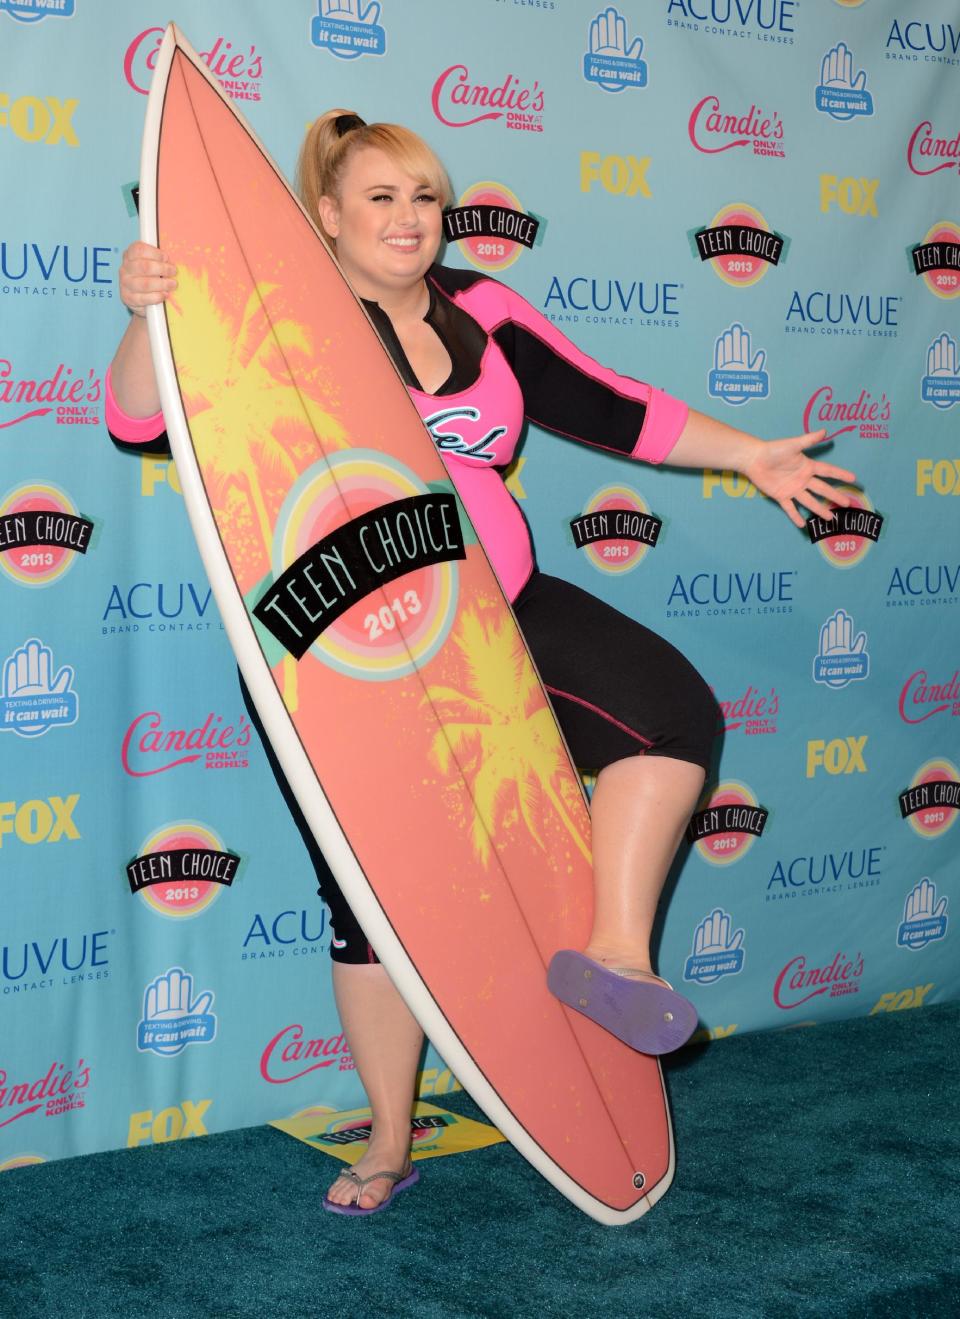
237,433
502,734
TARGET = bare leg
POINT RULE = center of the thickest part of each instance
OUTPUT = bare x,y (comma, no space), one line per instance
639,811
385,1042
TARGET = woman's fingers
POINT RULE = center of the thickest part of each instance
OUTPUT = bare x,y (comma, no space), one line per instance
816,506
839,497
146,277
838,473
791,511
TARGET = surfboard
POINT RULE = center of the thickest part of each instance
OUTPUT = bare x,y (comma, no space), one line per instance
382,656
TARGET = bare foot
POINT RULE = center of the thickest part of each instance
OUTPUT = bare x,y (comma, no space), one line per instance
381,1156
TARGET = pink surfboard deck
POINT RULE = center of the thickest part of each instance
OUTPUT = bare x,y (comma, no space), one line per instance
380,651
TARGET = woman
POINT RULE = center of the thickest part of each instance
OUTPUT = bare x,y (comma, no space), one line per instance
644,718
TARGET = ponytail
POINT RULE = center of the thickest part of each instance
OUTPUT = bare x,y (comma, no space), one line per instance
332,139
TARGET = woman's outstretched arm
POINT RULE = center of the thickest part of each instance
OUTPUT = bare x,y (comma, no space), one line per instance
780,469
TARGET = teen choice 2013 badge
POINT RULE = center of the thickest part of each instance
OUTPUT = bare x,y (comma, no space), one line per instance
387,580
181,869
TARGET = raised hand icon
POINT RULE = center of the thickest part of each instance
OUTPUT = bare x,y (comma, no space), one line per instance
351,11
608,36
919,905
836,637
836,70
168,1001
712,936
28,672
942,357
732,351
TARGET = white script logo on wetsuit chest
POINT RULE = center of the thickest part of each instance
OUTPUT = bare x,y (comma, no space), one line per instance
482,448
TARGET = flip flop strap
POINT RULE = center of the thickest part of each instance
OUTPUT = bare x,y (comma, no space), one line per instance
362,1182
635,971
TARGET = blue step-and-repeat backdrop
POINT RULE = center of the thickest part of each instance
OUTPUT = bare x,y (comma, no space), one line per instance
751,203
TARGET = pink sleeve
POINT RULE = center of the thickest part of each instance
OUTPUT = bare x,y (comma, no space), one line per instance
566,390
132,430
666,418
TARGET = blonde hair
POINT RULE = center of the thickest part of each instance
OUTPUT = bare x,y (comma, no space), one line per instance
324,154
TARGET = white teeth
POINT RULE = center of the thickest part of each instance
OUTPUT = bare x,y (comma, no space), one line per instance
403,242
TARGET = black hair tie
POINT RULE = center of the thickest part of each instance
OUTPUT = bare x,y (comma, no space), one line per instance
345,123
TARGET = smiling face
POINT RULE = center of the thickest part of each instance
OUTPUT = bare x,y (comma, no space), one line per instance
387,225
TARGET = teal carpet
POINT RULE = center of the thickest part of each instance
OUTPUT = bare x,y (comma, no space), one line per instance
818,1173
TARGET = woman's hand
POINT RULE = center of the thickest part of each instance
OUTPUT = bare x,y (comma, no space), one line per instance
782,471
145,277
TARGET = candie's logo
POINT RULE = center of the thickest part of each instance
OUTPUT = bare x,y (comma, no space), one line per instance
41,534
725,828
752,712
151,747
937,259
490,226
349,28
45,119
288,1056
845,539
237,69
59,1090
931,802
869,417
612,61
739,244
929,151
181,869
799,982
713,127
71,395
841,93
616,529
459,100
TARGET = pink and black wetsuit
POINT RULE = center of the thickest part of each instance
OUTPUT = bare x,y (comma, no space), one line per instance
617,688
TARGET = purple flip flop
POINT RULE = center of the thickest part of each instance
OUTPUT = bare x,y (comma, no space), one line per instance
400,1183
646,1014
